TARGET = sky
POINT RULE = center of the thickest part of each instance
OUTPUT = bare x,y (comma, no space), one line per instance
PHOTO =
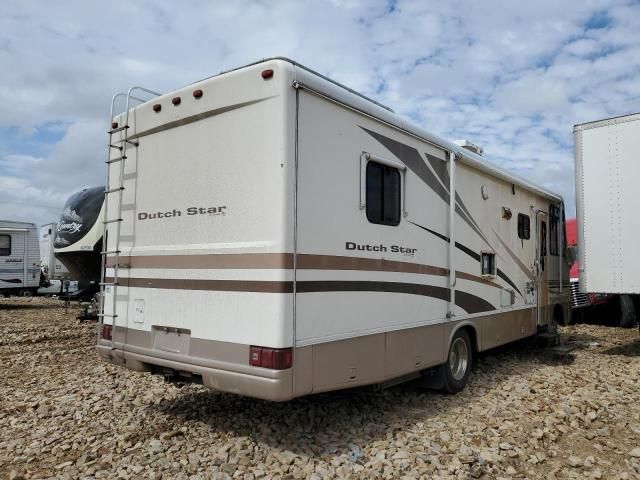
512,77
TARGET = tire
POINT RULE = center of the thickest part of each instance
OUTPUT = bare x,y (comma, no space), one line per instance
627,312
456,370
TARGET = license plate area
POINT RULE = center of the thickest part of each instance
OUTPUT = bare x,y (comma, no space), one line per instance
171,339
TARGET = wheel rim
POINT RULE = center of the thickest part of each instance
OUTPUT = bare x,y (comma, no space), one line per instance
458,359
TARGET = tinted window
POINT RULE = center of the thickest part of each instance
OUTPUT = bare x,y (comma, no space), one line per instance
554,225
5,245
524,226
383,194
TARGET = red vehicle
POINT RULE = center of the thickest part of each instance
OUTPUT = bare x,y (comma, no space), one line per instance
616,309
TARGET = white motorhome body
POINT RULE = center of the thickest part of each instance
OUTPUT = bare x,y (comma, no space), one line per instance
19,258
274,234
53,267
607,169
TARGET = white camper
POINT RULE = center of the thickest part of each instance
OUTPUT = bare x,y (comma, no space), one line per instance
19,258
275,234
50,265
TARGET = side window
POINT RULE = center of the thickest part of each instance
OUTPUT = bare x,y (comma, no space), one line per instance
524,226
5,245
488,263
383,194
554,224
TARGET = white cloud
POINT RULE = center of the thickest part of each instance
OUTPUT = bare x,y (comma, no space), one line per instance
513,77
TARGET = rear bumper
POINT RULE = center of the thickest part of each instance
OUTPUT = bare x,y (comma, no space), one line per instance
274,385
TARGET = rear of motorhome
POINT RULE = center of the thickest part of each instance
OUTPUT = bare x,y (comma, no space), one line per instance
19,258
274,234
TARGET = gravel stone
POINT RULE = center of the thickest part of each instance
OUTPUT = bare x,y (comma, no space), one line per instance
527,413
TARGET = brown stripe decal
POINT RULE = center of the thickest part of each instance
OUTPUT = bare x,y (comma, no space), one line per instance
470,303
226,261
333,262
209,285
285,261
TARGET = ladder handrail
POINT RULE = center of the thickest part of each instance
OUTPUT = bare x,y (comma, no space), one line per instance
118,219
103,259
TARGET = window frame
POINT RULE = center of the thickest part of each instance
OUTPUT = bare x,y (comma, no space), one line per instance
528,229
6,248
367,158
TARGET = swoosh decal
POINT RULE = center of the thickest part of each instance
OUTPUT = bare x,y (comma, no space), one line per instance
471,253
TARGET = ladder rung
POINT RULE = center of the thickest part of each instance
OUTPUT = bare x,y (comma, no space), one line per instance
119,129
112,315
113,190
117,159
111,252
112,221
118,147
132,142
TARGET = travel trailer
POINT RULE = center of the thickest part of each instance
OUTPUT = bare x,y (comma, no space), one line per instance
52,267
78,239
274,234
19,258
606,161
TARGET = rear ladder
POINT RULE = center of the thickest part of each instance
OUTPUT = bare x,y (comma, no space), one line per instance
121,148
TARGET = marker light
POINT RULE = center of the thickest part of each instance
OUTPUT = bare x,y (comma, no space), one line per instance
267,74
157,107
176,101
107,331
114,125
197,93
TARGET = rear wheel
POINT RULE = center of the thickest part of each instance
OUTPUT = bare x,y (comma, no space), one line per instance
455,372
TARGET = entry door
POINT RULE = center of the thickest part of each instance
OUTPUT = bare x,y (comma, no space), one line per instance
542,268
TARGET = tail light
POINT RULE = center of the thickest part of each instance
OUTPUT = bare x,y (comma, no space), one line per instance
275,358
106,332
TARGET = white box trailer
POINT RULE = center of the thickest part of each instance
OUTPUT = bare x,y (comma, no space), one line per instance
274,234
50,265
607,168
19,258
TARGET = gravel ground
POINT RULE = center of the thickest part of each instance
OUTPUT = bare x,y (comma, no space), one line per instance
528,413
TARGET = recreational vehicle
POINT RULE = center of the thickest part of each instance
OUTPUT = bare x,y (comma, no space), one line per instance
51,266
19,258
273,233
78,238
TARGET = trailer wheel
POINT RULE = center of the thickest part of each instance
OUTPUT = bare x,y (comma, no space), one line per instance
455,372
26,293
627,312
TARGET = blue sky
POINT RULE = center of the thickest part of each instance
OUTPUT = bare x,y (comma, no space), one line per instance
513,77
